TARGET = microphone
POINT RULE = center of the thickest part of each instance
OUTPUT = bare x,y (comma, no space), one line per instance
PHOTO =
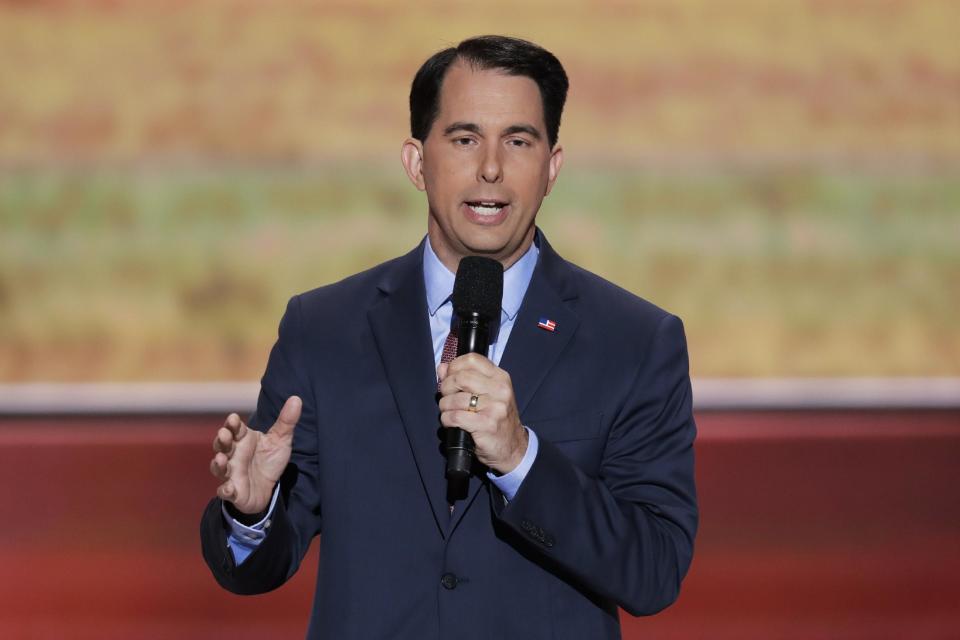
477,298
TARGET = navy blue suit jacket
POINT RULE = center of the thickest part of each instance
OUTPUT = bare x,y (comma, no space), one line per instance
606,516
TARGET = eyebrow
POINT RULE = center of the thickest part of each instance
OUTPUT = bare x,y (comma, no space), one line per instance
522,128
462,126
512,129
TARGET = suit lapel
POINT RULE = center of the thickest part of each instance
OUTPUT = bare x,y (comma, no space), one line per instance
531,351
402,332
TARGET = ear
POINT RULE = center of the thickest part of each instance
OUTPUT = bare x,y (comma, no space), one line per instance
411,155
556,161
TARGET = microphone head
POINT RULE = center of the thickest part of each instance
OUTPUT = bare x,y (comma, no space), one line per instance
478,287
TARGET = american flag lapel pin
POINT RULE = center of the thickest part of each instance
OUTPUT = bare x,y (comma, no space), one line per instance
547,324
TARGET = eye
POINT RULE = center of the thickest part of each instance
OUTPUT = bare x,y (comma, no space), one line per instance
463,141
518,142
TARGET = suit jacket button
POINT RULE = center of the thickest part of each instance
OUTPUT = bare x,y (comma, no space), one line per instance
449,581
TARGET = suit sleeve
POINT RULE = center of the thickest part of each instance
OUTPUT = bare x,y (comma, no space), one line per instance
628,533
297,516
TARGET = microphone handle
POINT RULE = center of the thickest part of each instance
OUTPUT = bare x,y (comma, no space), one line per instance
472,337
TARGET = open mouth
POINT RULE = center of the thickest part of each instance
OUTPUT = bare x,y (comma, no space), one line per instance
486,207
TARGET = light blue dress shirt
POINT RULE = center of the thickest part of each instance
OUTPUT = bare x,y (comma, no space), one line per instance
439,285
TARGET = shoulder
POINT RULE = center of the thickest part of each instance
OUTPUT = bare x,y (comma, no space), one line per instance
626,338
613,300
607,309
594,298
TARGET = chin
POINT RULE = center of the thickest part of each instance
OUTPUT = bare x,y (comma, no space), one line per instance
489,249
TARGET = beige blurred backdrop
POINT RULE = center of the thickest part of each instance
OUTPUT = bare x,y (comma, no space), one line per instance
781,174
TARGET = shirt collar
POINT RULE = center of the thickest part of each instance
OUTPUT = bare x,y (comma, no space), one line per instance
516,279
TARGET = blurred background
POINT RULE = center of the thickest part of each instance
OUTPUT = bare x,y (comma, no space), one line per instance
782,175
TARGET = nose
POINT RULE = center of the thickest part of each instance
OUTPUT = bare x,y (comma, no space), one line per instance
491,166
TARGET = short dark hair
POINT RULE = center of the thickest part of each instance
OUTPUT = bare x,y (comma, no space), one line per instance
514,56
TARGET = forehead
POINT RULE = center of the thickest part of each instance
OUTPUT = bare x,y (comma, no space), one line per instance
489,96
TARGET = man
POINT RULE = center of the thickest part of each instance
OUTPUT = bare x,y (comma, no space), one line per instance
583,499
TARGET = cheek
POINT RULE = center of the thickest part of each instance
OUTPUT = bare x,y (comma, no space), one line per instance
532,178
446,179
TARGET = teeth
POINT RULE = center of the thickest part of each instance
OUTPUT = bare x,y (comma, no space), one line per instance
487,208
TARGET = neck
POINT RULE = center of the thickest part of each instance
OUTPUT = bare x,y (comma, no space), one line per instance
451,257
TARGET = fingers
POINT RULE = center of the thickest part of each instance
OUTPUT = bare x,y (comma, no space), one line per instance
470,372
232,431
220,466
460,401
289,415
475,362
497,389
227,492
236,426
468,380
470,375
240,463
488,407
466,420
493,422
224,441
469,361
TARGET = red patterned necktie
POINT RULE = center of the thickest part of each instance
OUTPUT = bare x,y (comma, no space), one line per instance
449,351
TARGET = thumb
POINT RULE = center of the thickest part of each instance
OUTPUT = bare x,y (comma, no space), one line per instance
287,420
442,370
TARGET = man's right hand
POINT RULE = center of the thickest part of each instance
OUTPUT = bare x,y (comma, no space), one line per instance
249,463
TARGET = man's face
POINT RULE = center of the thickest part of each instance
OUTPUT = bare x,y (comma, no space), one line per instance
486,165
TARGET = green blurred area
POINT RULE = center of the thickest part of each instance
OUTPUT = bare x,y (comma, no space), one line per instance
782,175
118,275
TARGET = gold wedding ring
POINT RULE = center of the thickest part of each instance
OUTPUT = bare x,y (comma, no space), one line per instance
474,399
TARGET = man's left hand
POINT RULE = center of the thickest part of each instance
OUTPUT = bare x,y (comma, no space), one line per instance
499,437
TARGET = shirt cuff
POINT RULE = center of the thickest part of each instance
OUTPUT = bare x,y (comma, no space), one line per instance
509,483
243,540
